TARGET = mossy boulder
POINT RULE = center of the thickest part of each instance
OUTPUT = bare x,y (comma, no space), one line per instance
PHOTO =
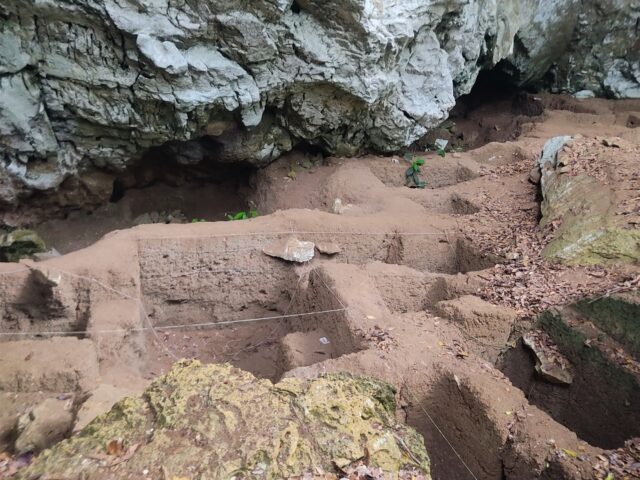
21,243
587,234
215,421
582,203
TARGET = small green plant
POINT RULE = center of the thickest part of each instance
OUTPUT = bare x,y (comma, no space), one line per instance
412,174
242,215
197,220
439,146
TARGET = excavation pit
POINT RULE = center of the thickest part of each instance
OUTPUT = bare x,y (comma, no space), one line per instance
437,172
453,421
258,313
600,405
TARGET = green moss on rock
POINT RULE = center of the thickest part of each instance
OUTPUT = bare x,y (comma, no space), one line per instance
215,421
587,233
19,244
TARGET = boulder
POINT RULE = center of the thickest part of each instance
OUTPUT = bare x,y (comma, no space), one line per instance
589,207
43,426
215,421
230,81
551,365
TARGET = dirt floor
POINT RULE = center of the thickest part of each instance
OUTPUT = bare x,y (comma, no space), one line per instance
431,290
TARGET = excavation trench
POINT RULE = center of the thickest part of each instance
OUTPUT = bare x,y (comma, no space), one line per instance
256,312
231,280
600,405
221,299
461,438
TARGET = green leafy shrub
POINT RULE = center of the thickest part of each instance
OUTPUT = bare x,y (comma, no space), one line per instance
242,215
412,174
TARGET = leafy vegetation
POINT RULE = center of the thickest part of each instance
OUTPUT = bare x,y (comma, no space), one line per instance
439,146
412,174
242,215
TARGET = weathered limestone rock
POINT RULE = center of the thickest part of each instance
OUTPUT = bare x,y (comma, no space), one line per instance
550,363
44,425
587,46
90,86
291,249
328,248
588,200
216,421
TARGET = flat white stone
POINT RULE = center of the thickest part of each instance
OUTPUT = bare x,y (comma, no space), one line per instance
291,250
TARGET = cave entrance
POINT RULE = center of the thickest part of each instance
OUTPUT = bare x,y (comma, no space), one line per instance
496,110
163,187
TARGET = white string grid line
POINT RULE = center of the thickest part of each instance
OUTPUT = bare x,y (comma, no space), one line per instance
453,449
295,232
151,327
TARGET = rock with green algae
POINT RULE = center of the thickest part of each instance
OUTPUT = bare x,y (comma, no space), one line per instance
582,209
21,243
215,421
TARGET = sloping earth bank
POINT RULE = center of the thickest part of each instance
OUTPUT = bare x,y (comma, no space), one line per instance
431,292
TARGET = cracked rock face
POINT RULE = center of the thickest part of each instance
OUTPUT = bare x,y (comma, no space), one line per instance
89,86
591,46
218,422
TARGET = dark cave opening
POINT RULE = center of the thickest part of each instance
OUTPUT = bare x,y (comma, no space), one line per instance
295,7
178,166
495,110
491,86
118,191
174,183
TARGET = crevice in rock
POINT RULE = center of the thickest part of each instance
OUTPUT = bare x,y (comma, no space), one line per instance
295,7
